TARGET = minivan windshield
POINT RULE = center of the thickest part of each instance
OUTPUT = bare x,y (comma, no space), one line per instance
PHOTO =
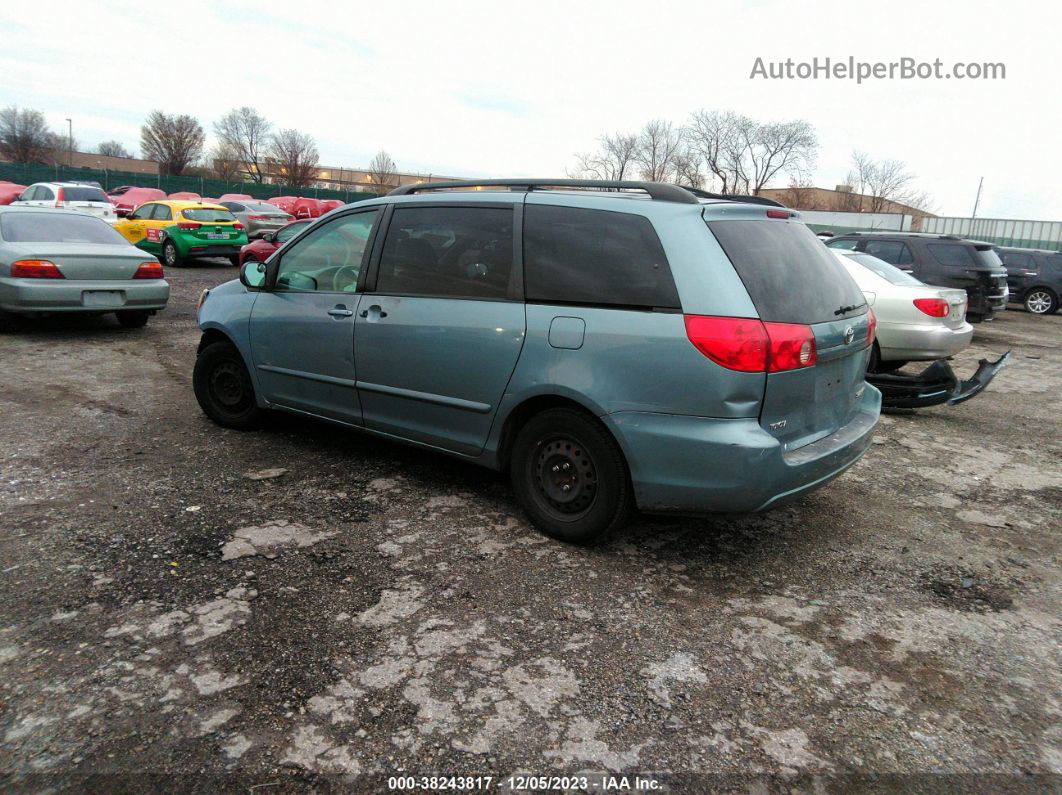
788,272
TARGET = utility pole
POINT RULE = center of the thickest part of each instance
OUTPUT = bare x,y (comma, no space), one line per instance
978,199
70,142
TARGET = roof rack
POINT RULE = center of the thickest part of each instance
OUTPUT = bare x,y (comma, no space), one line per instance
733,197
656,190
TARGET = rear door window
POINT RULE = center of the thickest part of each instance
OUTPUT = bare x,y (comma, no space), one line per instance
1016,259
454,252
162,213
951,254
597,257
789,274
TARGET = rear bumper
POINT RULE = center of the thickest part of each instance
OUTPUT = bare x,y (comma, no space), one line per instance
68,295
213,249
921,342
696,465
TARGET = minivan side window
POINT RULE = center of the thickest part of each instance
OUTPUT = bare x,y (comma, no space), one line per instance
329,258
951,254
453,252
578,256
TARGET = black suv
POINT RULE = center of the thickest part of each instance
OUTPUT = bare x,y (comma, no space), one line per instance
1034,276
943,260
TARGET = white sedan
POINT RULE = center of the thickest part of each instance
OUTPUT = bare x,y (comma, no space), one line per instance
916,321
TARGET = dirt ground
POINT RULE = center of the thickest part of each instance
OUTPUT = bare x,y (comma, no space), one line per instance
167,622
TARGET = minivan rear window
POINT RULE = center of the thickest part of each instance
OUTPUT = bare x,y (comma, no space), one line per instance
72,194
789,274
578,256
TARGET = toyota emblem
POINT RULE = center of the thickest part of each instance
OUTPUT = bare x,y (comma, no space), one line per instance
849,335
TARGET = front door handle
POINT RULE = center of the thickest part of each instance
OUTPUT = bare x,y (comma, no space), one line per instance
340,311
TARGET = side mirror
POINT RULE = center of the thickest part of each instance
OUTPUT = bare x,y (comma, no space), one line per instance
253,274
269,237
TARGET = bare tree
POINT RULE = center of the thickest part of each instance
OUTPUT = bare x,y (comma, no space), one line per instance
224,162
25,136
247,132
800,195
688,169
383,172
175,142
658,146
776,148
112,149
296,158
714,136
881,182
614,159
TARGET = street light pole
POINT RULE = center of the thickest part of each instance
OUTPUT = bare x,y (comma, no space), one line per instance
977,200
70,141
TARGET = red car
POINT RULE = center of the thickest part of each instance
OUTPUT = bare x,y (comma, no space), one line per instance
186,196
307,208
285,203
330,204
9,192
130,198
260,249
235,197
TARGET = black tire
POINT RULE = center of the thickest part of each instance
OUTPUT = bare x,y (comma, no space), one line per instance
224,389
133,318
568,447
974,317
171,258
1040,301
234,260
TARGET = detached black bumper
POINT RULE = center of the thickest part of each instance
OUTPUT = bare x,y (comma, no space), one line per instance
935,385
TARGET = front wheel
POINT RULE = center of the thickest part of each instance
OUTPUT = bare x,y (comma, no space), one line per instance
133,319
170,256
1040,302
224,389
570,476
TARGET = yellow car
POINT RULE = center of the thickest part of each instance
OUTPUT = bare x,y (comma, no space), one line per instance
178,230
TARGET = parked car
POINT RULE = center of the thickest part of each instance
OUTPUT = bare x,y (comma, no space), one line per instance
10,192
285,203
62,261
235,197
916,322
307,208
261,249
176,231
75,196
620,345
258,217
1034,277
330,204
184,195
132,197
943,260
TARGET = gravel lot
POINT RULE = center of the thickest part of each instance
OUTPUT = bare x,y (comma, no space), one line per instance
393,612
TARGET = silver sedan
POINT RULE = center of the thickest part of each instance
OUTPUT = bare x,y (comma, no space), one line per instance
61,261
917,322
260,218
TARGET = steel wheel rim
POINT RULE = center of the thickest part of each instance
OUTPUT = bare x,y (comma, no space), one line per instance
228,388
564,477
1038,302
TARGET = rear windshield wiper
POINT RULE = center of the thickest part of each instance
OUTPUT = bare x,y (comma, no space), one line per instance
845,309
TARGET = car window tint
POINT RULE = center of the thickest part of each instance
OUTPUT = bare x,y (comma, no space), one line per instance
845,244
50,227
86,194
162,213
579,256
460,252
329,258
208,215
288,232
893,252
236,207
142,212
44,193
1017,259
951,254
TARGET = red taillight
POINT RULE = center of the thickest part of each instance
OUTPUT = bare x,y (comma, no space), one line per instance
792,346
779,214
35,269
257,217
189,226
148,270
751,346
934,307
872,326
237,225
59,197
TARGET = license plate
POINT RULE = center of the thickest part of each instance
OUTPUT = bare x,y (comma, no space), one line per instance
218,236
102,298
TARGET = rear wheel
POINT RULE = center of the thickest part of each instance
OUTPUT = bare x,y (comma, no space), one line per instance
170,256
1040,301
133,318
234,260
569,475
224,389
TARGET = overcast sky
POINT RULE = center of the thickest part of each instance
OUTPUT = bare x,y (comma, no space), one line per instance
516,89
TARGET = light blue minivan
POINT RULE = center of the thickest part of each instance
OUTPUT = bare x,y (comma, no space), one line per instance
612,345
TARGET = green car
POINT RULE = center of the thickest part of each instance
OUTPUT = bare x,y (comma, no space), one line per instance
175,231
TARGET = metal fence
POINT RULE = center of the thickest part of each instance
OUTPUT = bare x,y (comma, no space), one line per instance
1001,231
25,174
839,222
